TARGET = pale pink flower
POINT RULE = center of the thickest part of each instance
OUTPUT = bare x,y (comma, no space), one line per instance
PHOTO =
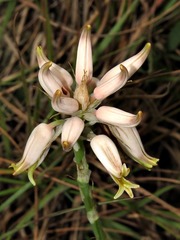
131,143
117,117
71,131
51,76
36,149
84,65
63,104
80,102
117,77
108,155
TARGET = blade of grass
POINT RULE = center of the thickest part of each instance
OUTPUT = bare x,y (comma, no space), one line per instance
16,195
25,220
7,16
116,28
6,143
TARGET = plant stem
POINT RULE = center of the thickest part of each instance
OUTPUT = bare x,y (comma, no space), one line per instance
83,176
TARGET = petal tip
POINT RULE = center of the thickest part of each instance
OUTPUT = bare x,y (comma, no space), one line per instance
88,27
139,115
66,146
38,49
148,45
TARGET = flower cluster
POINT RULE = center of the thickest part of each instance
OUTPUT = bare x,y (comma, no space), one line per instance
80,106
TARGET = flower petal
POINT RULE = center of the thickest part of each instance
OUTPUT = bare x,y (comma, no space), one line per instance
63,104
130,141
107,153
71,131
117,117
84,65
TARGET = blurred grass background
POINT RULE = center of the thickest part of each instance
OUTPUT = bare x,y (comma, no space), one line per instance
53,209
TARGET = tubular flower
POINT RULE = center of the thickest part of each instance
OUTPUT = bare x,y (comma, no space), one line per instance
63,104
36,149
130,141
51,76
84,65
71,131
80,102
108,155
117,77
117,117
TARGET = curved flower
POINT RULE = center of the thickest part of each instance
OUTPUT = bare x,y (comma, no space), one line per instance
71,131
130,141
108,155
36,149
63,104
117,117
52,78
117,77
111,82
60,73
